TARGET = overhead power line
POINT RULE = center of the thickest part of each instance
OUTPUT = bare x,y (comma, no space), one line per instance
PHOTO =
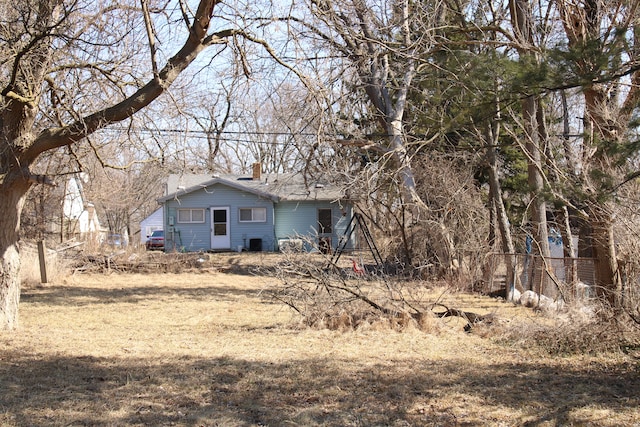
225,132
202,134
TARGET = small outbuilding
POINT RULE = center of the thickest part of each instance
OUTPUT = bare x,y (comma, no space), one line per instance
258,212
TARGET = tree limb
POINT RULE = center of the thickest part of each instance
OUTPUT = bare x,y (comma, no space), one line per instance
150,36
470,317
197,41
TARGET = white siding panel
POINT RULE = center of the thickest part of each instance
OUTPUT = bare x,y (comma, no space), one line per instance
153,222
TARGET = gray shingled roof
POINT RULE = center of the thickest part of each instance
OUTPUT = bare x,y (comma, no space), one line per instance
278,187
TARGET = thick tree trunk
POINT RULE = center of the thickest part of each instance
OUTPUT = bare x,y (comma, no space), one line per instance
608,281
12,198
601,220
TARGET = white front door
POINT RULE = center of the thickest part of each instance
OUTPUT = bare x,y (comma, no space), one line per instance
220,236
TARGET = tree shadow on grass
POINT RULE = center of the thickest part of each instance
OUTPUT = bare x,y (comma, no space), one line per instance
81,296
45,390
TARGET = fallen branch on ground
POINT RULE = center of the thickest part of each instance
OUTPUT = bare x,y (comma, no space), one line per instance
471,318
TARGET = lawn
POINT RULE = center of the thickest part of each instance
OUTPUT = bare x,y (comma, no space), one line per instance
209,348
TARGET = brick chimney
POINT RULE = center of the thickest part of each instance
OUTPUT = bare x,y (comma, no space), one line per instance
257,171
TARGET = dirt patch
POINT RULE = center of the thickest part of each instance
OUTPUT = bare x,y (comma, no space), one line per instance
206,348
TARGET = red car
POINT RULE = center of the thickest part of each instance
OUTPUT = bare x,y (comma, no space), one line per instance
155,241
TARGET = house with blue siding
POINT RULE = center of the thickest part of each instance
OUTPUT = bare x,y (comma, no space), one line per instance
258,212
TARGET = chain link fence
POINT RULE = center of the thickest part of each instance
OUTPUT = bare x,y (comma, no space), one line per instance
568,278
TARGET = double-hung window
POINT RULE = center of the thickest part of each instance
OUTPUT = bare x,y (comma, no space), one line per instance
253,214
190,216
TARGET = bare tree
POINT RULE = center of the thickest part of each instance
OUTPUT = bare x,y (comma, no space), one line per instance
367,55
124,196
380,46
65,75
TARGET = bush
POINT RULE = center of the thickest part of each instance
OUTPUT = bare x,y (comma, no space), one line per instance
579,330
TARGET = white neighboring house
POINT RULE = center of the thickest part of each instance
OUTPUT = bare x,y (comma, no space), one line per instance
73,204
151,223
80,217
88,221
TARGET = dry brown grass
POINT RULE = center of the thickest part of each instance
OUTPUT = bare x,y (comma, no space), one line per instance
207,349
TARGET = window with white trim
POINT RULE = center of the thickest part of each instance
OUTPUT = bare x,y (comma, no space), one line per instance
186,216
253,215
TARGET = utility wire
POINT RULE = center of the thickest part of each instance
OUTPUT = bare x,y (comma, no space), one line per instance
202,134
205,133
